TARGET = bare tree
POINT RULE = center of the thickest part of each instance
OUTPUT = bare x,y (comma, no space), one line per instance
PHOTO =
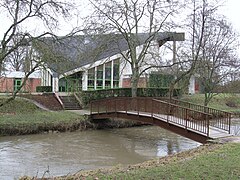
213,43
16,59
18,13
188,52
130,18
218,58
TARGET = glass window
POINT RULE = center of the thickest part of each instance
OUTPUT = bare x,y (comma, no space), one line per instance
100,72
91,78
62,85
116,70
108,71
90,84
99,84
115,84
91,74
107,84
17,84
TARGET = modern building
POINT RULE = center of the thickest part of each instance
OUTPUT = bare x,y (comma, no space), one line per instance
87,62
97,62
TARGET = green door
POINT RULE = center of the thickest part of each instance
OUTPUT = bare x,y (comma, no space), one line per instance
62,85
17,84
69,85
73,85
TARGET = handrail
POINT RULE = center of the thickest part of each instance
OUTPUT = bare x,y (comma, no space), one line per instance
190,118
171,113
58,99
202,106
220,119
180,106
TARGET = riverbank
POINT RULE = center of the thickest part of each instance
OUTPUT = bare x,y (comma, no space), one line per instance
42,122
54,122
21,117
220,161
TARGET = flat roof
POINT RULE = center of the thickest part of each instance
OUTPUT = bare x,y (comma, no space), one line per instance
20,74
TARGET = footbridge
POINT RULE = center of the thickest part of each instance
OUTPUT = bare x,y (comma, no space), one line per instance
193,121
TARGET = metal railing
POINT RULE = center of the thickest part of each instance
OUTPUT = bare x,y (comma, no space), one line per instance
219,119
187,118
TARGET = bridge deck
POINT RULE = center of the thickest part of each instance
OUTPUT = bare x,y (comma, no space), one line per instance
214,133
192,121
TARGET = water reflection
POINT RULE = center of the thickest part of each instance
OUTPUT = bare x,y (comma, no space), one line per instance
69,152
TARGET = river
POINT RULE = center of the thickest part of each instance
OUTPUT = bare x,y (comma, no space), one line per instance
64,153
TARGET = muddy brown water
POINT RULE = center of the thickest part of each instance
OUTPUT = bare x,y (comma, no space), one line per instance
64,153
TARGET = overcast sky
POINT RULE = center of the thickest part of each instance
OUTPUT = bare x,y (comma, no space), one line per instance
231,11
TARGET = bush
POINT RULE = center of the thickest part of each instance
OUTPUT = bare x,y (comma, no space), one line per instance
88,96
44,88
158,80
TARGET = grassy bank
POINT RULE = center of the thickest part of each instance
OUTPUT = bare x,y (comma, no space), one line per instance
214,161
21,117
18,106
40,121
227,102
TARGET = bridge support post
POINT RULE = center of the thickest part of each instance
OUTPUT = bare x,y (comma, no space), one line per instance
98,108
115,105
125,106
91,108
208,125
106,107
186,114
152,109
229,123
138,106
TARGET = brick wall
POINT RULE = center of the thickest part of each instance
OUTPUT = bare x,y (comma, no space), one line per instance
31,84
7,84
142,82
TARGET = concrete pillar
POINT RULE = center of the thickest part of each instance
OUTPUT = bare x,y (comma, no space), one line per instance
104,76
55,80
95,78
112,63
84,80
191,87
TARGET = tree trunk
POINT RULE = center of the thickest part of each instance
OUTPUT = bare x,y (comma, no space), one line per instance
207,98
134,82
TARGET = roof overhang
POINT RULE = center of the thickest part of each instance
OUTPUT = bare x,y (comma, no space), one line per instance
170,36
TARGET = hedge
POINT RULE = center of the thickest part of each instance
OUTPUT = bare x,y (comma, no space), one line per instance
87,96
44,88
158,80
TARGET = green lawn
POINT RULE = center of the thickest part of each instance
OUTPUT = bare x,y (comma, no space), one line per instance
17,106
39,117
220,162
22,117
226,102
41,121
